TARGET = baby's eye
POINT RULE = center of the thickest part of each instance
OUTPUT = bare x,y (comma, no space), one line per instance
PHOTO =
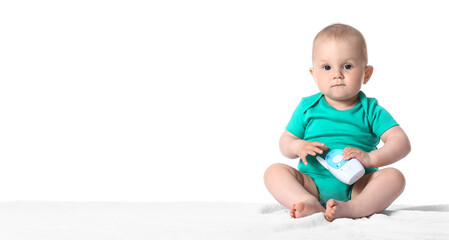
347,66
327,67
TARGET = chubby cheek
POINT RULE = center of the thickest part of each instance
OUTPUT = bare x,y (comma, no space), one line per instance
355,83
323,88
356,77
322,84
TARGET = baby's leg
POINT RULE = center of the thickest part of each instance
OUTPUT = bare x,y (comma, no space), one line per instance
373,193
293,189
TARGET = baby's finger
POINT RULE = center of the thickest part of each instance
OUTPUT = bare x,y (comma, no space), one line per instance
347,149
350,154
324,148
316,150
310,151
318,144
347,152
304,158
347,156
304,161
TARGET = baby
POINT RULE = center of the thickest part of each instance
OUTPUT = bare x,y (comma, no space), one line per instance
339,117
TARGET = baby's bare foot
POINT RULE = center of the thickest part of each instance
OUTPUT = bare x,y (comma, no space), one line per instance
306,208
336,209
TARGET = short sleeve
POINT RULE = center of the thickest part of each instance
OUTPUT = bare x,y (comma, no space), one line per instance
296,124
381,119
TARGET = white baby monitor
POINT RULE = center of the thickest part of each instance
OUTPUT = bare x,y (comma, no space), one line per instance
347,171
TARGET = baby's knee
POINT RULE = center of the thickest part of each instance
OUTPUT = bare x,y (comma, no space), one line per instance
396,176
275,169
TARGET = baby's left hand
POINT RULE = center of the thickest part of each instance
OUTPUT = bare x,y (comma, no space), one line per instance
363,157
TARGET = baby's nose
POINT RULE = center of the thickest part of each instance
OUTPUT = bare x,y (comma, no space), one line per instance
337,74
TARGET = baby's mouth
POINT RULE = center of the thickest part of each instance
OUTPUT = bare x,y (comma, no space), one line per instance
338,85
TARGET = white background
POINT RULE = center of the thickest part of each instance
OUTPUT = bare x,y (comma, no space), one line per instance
186,100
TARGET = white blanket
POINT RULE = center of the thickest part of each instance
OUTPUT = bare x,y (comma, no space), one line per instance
198,220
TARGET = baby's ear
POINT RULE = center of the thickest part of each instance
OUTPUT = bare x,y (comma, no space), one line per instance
311,72
368,72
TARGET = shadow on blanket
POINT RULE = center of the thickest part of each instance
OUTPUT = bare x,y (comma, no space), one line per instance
209,220
425,208
397,222
272,208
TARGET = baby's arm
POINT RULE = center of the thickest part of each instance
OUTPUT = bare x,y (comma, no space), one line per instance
292,147
396,146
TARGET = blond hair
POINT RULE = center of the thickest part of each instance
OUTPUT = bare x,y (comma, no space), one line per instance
338,31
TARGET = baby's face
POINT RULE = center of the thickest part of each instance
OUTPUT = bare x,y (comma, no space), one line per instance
339,68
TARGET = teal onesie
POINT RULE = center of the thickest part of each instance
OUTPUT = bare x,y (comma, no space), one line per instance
359,127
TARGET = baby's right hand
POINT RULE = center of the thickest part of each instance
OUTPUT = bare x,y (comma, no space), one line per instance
309,148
